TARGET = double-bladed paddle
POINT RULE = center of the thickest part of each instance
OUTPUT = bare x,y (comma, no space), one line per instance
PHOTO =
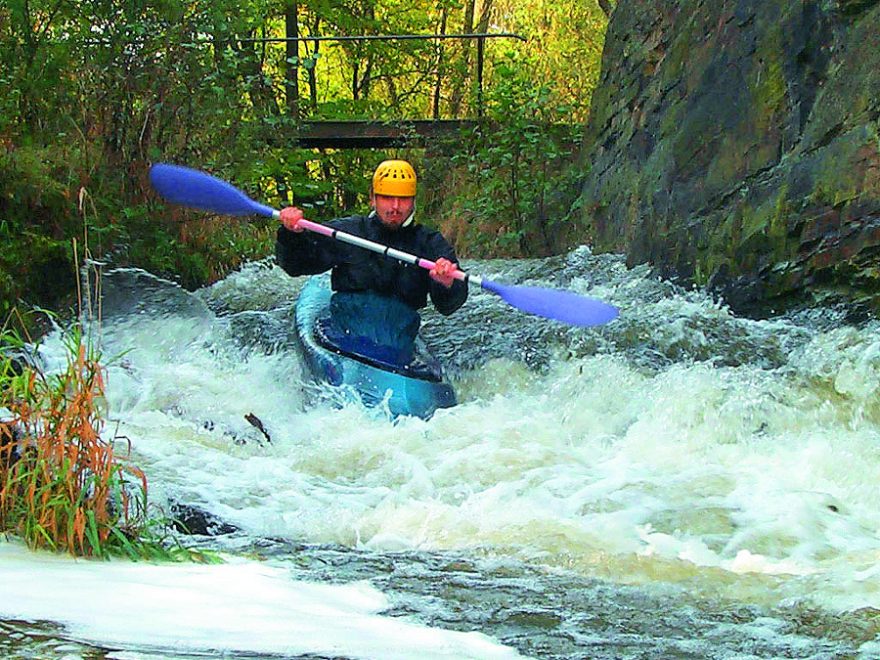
196,189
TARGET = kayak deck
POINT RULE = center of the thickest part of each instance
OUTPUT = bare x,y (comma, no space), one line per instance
369,346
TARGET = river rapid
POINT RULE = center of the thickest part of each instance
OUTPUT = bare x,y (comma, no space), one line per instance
679,483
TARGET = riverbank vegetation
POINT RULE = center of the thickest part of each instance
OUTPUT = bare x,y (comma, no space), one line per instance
92,93
63,485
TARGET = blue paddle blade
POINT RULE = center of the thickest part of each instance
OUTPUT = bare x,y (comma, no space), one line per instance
563,306
198,190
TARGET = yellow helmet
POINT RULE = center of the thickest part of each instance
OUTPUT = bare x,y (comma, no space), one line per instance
394,178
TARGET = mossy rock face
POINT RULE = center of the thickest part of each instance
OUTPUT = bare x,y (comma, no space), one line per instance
855,6
736,144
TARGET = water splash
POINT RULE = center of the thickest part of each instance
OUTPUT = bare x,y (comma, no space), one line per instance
680,446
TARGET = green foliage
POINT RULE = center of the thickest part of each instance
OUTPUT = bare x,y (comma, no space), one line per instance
563,50
92,93
33,220
521,174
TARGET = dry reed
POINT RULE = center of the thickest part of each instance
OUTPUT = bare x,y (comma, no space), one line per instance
61,486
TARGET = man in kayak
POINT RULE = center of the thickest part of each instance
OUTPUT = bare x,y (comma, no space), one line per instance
354,269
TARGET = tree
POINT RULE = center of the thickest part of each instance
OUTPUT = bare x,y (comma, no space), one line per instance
291,70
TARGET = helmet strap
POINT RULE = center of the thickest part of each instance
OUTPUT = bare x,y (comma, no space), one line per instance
409,220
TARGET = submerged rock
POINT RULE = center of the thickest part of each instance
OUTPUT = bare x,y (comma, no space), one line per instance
188,519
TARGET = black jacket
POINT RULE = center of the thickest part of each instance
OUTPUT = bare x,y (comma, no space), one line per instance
358,269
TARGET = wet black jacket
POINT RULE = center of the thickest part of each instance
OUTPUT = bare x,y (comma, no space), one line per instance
358,269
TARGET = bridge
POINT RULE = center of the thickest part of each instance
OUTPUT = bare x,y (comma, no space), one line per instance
366,134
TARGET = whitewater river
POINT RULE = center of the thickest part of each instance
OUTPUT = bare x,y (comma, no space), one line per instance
681,483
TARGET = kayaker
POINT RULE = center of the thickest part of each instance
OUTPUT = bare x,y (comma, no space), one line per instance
392,199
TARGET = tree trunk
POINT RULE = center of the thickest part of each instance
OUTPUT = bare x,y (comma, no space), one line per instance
364,84
392,90
482,26
606,7
261,94
367,78
355,74
291,66
460,83
313,80
439,78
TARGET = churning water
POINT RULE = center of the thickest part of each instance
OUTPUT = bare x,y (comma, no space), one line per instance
680,483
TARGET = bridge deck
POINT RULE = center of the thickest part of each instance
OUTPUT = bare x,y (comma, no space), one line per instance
378,135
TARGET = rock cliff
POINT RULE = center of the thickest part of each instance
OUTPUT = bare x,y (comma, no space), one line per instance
736,144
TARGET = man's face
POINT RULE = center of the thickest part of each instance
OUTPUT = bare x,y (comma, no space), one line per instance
392,211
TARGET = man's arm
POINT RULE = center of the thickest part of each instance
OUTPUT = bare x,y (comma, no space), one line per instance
303,253
300,252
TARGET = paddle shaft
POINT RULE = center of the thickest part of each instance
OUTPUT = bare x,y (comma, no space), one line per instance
406,257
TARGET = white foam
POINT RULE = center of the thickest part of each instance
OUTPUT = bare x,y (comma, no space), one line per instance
594,464
237,607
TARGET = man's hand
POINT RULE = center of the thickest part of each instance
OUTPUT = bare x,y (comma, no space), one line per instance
290,217
443,271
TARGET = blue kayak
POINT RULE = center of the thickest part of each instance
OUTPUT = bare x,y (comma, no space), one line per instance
368,345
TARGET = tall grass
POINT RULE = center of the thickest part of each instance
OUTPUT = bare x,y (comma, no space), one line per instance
61,483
